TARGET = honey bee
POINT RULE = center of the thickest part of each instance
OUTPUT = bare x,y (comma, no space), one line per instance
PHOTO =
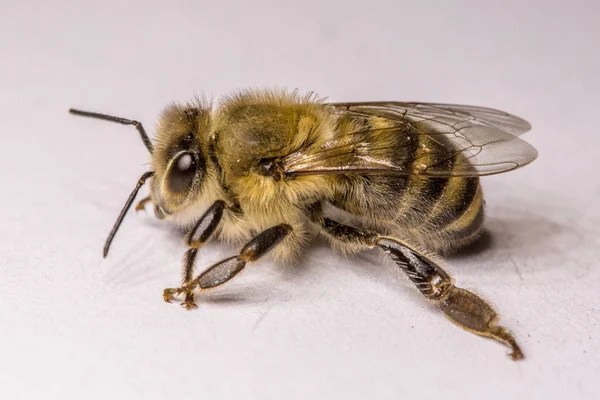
265,168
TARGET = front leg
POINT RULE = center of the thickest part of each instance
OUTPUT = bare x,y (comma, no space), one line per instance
141,205
461,306
199,234
223,271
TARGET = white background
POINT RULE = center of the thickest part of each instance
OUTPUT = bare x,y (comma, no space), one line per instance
73,324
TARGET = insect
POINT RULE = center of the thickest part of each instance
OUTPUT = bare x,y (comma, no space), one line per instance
265,168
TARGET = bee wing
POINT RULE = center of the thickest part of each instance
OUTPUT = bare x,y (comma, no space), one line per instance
428,139
477,115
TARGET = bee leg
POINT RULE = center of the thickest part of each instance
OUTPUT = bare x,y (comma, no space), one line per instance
196,237
461,306
226,269
142,203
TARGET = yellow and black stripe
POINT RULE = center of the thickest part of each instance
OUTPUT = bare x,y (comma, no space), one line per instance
443,213
449,210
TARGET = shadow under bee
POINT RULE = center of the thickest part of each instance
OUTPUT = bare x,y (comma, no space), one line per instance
529,242
481,244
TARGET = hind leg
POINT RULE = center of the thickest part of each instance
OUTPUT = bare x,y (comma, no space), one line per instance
461,306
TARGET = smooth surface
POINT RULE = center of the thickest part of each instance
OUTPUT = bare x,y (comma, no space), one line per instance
73,325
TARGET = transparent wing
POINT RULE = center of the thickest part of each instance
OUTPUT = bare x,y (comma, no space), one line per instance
477,115
420,138
448,113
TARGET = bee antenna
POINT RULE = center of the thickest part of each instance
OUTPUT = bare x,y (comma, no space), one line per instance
124,121
126,207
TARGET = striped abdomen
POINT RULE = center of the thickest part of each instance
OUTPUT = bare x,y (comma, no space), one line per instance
441,214
451,217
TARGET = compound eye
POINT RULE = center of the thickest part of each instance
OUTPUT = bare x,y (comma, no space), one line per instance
182,172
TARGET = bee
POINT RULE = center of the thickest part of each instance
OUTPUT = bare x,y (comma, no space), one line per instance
268,169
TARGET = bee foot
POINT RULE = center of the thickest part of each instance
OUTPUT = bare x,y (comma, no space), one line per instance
168,294
188,302
141,205
188,305
516,354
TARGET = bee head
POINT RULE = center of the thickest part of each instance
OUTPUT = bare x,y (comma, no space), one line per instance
179,158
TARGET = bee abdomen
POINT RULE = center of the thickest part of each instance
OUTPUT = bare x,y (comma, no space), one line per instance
456,219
